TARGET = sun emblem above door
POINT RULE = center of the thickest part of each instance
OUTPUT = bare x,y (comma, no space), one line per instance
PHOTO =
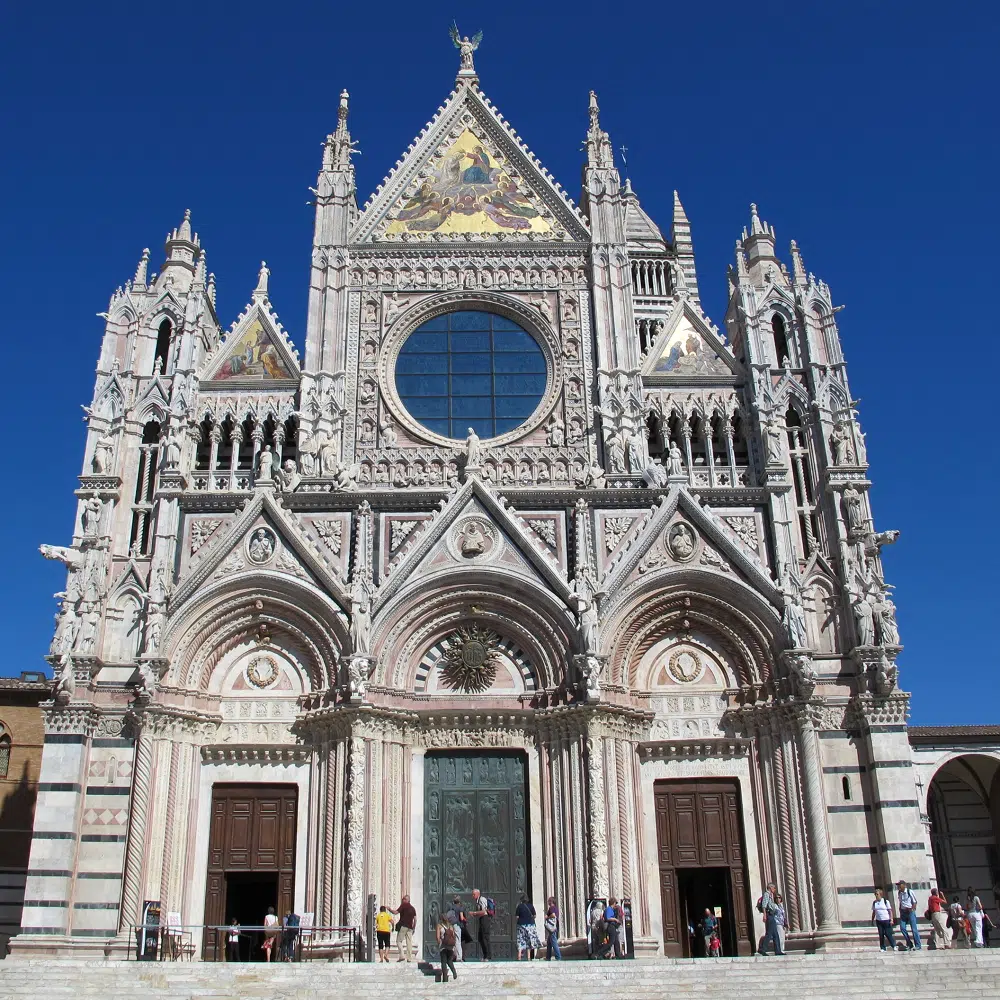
470,659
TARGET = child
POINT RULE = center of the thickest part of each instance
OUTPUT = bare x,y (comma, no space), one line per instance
383,932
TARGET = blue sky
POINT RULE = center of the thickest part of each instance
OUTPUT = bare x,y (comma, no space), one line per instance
865,131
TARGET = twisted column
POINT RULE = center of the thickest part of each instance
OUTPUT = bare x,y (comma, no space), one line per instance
138,815
356,834
599,885
785,830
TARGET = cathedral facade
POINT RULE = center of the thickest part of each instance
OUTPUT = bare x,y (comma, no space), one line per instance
525,577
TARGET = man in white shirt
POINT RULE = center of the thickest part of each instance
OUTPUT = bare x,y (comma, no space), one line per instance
906,906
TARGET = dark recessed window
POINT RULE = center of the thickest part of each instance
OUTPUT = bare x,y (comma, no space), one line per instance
470,369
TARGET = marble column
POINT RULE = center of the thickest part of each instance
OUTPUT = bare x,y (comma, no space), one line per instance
816,826
357,768
138,814
597,818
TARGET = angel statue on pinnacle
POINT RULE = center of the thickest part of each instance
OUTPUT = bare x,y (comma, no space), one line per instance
465,47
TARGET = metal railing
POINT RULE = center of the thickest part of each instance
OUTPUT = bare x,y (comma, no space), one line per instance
175,942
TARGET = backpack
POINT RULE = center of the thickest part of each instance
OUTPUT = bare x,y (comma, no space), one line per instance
491,907
448,938
760,904
293,920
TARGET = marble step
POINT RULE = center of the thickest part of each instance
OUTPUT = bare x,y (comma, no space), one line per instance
838,976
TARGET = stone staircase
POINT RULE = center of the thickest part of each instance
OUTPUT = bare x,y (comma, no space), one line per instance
867,975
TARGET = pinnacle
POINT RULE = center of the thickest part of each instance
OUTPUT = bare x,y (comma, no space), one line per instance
679,214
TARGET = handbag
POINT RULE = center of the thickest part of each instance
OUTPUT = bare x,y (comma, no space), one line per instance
550,924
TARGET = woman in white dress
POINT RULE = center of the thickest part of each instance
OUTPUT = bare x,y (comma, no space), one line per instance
974,911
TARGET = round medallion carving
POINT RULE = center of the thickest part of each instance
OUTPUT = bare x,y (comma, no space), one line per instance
262,671
261,546
682,543
474,539
470,659
685,666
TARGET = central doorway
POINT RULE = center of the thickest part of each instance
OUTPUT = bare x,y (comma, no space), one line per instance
251,862
702,863
475,837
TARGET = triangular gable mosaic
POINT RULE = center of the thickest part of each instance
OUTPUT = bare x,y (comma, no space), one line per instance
469,189
255,354
685,348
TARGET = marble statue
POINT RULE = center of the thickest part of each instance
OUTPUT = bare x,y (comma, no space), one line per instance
675,460
557,432
864,617
885,612
264,464
795,623
772,441
853,511
92,515
103,454
361,616
261,546
466,47
287,477
473,450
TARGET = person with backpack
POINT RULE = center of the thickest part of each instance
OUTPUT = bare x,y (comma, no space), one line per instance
446,938
456,917
906,904
614,921
767,906
486,910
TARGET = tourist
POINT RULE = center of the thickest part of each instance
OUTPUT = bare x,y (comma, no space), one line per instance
598,930
383,932
959,927
938,916
613,920
906,904
709,927
974,912
446,937
485,910
456,916
781,919
527,932
552,930
290,931
271,933
882,918
769,908
233,942
988,925
404,929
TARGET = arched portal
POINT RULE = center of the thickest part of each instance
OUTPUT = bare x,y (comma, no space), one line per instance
963,805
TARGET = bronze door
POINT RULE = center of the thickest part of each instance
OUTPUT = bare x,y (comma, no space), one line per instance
699,826
252,833
475,837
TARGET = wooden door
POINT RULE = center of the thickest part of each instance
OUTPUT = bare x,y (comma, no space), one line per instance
699,825
252,829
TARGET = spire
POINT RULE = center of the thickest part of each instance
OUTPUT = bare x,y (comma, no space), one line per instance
598,144
139,281
210,291
684,247
759,245
260,292
182,249
339,147
798,267
201,269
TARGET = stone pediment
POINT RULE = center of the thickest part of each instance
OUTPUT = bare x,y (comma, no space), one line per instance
474,530
679,534
688,347
263,538
468,176
255,351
